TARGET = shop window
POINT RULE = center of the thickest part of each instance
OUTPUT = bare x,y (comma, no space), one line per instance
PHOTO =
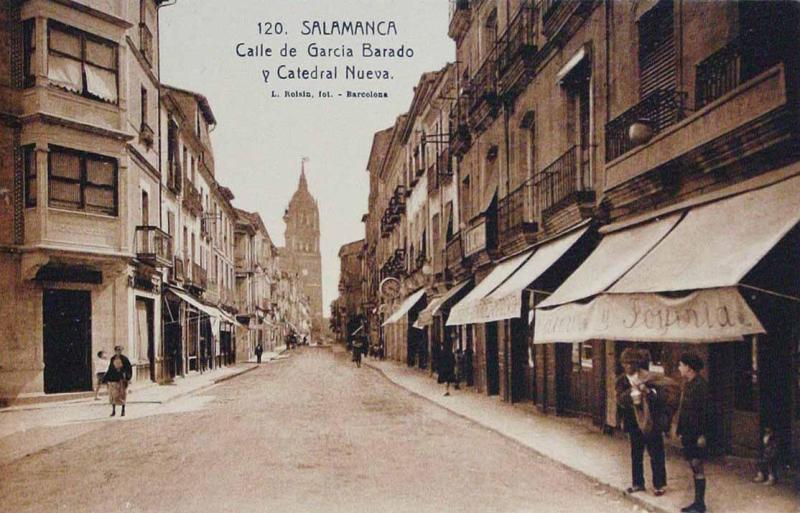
29,52
82,181
82,63
29,163
745,361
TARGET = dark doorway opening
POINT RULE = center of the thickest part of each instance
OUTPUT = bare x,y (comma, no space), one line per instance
492,360
67,338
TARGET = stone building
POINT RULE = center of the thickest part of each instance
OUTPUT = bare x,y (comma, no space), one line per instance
350,313
610,160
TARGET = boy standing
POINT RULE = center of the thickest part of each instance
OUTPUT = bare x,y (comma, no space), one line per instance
693,425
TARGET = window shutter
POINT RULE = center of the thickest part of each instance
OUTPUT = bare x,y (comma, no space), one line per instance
657,61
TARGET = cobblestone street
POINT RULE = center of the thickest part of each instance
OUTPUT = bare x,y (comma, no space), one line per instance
307,433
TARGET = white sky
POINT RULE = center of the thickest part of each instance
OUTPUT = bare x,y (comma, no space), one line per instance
259,140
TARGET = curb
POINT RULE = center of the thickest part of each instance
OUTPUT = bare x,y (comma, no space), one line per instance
616,491
213,382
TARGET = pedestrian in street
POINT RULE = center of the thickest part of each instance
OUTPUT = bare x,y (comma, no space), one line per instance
447,367
644,402
100,366
259,351
357,350
117,377
693,424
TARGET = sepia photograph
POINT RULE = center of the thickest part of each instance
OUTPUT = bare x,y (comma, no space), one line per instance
419,256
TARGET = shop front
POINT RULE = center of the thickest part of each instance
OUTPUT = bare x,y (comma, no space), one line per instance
720,278
406,342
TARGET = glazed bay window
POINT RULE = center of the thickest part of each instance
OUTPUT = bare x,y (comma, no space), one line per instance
82,63
82,181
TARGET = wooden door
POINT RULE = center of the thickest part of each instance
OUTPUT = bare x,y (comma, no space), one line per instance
67,330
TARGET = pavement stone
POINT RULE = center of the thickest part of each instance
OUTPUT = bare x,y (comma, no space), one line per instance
600,457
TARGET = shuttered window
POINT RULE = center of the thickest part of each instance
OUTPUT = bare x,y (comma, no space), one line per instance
657,60
82,181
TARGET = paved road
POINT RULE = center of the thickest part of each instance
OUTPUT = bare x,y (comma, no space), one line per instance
307,434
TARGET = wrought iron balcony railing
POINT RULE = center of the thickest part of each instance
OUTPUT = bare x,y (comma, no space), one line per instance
569,174
199,278
516,212
728,68
192,199
454,252
519,39
660,109
483,84
153,246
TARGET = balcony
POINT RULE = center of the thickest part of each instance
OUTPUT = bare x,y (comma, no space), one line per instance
453,252
199,278
460,138
460,16
400,198
432,179
174,180
146,43
566,180
749,118
444,164
177,272
725,70
483,105
153,246
192,200
660,109
517,52
517,222
558,14
475,238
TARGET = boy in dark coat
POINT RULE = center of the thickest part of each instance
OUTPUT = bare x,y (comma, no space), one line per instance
693,425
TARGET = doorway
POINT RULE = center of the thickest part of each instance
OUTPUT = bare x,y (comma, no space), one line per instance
519,361
145,338
67,338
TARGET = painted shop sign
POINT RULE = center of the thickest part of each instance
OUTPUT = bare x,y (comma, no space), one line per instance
711,315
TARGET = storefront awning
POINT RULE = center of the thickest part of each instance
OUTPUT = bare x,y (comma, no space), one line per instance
405,306
616,254
717,244
442,302
467,311
212,311
684,289
505,302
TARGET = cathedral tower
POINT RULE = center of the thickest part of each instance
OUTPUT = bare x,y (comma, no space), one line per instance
302,246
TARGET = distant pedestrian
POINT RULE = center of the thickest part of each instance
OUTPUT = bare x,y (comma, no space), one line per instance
447,367
259,351
117,377
769,452
644,400
100,366
357,350
693,425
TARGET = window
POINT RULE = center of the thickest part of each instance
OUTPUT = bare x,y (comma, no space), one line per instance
143,104
82,63
145,209
582,354
171,224
657,61
82,181
29,163
466,197
29,55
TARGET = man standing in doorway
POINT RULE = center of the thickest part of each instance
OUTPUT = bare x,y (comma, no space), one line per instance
259,351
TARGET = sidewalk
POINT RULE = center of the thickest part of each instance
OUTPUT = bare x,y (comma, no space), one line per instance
145,392
600,457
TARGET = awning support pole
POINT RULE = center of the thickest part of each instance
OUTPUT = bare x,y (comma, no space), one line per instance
771,292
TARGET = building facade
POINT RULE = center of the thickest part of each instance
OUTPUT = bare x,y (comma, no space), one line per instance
583,147
114,229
